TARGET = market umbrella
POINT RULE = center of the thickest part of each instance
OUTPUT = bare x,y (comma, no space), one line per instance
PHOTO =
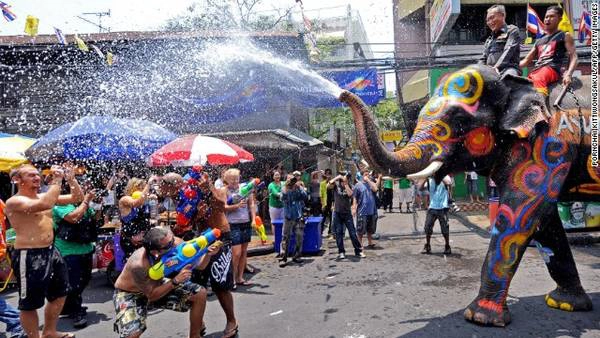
12,150
101,138
197,149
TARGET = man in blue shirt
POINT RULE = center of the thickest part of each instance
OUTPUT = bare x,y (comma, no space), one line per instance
293,196
438,209
365,208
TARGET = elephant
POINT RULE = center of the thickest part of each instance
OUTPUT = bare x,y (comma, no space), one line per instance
537,155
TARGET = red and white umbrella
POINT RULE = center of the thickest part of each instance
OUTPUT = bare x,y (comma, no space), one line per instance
195,149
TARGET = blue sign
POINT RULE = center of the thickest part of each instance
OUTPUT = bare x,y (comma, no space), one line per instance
258,89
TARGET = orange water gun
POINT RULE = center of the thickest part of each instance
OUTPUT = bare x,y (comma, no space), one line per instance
260,229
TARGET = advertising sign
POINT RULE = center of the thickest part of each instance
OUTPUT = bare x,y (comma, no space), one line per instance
579,215
391,135
442,15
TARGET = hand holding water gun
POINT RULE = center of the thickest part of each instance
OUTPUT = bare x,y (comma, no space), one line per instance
183,255
189,197
245,191
260,229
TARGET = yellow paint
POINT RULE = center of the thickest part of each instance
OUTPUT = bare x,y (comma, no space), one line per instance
467,74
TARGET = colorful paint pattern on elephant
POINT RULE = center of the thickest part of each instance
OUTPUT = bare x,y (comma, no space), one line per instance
432,135
536,181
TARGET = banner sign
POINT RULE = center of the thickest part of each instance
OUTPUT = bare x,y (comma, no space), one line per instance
442,15
579,215
225,100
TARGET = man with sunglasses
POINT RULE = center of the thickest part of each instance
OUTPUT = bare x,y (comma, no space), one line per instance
134,289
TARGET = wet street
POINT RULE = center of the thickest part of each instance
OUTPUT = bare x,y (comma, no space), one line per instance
395,291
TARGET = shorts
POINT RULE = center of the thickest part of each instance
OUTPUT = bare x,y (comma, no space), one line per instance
240,233
218,271
275,213
542,78
442,216
366,224
406,195
132,308
472,187
41,274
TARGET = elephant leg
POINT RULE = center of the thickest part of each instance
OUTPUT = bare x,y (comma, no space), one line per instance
569,294
510,236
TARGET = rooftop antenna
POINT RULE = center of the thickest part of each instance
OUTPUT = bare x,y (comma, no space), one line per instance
99,24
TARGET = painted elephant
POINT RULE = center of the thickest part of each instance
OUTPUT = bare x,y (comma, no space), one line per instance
502,128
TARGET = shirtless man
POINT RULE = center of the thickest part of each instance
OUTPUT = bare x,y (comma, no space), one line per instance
134,289
219,271
40,270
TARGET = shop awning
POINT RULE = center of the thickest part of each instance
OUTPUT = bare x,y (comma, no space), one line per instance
283,139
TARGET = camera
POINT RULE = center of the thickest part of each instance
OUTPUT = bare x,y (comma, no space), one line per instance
293,181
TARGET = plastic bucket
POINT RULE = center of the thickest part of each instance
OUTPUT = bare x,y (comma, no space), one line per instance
494,202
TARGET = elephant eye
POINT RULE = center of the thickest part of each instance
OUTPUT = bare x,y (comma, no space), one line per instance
460,122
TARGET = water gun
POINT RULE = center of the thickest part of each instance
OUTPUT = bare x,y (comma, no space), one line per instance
245,191
186,253
260,229
189,196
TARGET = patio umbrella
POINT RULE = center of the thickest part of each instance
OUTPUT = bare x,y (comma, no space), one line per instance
101,138
197,149
12,150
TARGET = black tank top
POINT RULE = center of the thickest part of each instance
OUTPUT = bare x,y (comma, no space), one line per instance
551,51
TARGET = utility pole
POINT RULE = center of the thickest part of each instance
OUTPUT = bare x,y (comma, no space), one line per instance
100,15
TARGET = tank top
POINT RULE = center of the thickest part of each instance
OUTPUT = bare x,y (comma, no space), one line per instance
240,215
138,220
551,51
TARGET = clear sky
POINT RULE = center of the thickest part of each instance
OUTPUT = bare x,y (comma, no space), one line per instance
144,15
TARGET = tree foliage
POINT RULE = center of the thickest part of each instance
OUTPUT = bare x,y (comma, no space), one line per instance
387,114
230,15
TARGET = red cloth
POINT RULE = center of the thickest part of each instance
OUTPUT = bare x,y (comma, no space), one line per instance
542,78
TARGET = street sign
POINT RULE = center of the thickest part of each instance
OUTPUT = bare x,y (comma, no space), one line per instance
391,135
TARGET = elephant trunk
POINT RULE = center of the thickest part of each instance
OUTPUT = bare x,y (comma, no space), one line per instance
403,162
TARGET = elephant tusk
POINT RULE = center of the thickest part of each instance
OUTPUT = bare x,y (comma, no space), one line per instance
427,172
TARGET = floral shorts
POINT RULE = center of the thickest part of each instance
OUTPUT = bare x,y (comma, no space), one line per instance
132,308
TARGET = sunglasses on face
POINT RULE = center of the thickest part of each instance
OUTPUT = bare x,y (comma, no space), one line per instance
168,246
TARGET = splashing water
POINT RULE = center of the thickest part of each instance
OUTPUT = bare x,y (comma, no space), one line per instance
206,82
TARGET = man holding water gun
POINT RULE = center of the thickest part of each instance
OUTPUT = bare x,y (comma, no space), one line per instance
134,288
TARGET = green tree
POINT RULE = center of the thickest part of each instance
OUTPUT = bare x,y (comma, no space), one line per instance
230,15
387,114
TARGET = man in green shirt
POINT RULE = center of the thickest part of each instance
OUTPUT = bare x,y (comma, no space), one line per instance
75,229
406,195
388,193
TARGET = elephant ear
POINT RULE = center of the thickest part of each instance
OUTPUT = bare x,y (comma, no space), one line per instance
524,108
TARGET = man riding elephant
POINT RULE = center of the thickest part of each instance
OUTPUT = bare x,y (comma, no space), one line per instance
500,127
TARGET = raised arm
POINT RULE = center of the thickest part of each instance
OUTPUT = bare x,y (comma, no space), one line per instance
44,201
77,215
76,194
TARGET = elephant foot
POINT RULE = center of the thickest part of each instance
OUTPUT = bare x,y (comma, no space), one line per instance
569,300
487,312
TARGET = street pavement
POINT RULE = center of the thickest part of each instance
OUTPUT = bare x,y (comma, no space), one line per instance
394,292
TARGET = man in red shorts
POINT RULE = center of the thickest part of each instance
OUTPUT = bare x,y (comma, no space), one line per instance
550,51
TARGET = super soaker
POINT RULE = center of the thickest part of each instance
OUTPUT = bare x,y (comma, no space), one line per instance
189,197
245,191
260,229
186,253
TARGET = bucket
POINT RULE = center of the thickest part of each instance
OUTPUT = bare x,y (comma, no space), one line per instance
493,209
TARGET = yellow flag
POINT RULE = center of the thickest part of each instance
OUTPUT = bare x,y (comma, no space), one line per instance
565,24
31,25
109,58
81,44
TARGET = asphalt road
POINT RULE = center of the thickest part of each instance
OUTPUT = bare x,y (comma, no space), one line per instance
395,291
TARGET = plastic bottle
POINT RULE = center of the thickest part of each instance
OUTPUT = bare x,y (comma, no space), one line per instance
153,203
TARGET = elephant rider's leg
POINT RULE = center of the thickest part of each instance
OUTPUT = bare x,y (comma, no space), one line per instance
569,294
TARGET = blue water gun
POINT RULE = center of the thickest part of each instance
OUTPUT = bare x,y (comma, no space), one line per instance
186,253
